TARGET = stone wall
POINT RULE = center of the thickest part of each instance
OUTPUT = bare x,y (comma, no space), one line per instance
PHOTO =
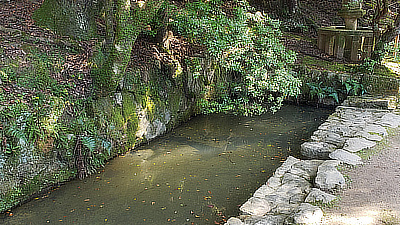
294,194
135,114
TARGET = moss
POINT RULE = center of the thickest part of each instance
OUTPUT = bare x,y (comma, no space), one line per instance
23,193
316,63
382,70
66,18
131,119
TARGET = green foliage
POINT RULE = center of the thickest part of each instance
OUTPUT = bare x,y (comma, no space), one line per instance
353,87
246,45
321,91
366,67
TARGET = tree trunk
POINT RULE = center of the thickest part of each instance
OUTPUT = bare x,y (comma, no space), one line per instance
388,36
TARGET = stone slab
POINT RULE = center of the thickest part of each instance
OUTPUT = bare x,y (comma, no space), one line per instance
358,144
375,129
368,136
390,120
346,157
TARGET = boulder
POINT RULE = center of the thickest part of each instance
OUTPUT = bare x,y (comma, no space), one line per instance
286,166
274,182
328,177
234,221
265,220
262,191
358,144
306,169
256,206
316,150
328,137
346,157
291,180
318,196
284,208
306,214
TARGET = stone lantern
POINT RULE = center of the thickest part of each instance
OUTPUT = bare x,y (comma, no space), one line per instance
350,12
349,41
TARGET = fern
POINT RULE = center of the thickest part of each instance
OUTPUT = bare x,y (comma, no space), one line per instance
89,142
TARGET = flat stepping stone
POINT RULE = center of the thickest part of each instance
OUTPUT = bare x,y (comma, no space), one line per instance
358,144
390,120
375,129
368,136
346,157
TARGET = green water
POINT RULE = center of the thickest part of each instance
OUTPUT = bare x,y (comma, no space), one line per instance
199,173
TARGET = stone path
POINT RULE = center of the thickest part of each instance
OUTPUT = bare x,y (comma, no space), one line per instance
374,196
293,193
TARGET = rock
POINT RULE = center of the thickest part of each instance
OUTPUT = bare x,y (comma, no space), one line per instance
316,150
329,137
256,206
375,129
306,214
284,208
368,136
306,169
346,157
275,199
328,177
262,191
390,120
274,182
234,221
291,180
318,196
341,129
358,144
286,166
265,220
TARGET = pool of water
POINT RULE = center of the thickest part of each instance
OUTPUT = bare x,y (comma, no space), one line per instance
200,173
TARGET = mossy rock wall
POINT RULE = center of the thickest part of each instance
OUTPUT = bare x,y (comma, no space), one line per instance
68,17
149,103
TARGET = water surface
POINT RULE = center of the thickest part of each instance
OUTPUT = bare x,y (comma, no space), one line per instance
199,173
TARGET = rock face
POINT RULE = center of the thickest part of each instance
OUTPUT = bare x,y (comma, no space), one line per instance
285,197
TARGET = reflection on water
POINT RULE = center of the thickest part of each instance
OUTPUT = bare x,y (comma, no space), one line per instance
200,173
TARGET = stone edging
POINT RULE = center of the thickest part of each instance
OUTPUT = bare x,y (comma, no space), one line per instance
285,198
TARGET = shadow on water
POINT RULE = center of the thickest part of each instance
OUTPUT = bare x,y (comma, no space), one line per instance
199,173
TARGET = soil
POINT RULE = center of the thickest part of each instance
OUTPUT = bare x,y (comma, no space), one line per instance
374,193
